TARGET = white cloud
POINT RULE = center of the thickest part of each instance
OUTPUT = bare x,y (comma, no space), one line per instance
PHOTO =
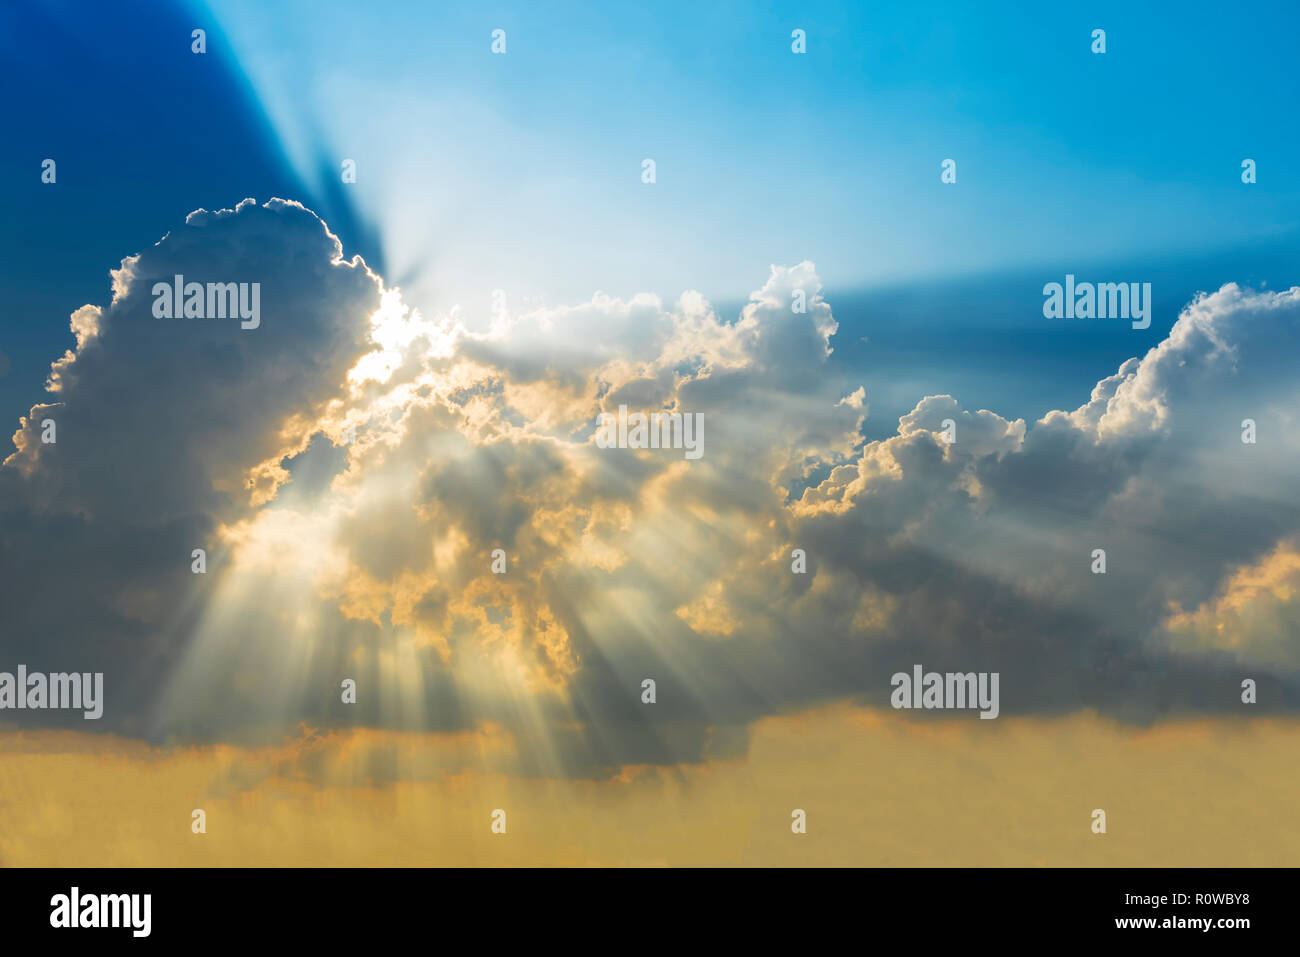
371,559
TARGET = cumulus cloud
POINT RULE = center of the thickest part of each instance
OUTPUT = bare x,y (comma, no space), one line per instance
1254,616
352,466
165,429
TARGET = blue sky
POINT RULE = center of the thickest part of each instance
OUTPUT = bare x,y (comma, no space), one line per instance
522,172
524,167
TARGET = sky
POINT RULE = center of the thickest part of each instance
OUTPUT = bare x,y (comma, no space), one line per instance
439,338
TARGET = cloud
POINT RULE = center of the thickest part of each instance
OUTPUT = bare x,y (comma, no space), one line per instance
351,466
166,429
1253,616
